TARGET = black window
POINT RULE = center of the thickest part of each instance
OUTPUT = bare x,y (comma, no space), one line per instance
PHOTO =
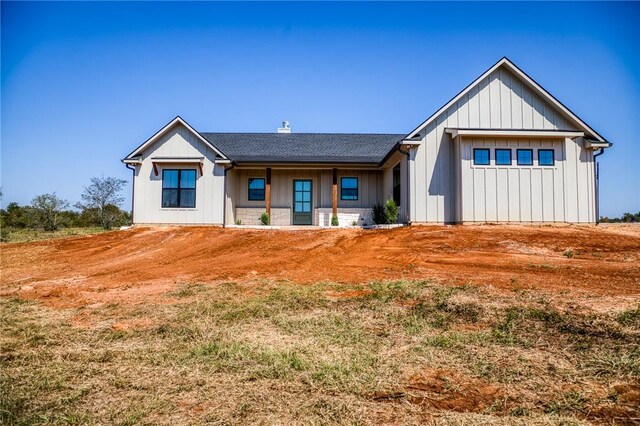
525,157
481,156
256,189
396,184
503,157
179,188
349,188
545,157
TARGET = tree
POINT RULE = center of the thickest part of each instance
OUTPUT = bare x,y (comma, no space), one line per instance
47,208
16,216
102,193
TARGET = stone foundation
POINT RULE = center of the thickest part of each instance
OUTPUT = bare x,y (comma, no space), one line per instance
346,216
281,216
251,215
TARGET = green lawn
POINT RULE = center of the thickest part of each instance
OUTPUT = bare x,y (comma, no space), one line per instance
273,352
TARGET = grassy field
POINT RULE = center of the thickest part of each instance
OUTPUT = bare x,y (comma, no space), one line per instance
15,235
403,352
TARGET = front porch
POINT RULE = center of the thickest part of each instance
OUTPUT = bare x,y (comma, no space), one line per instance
305,196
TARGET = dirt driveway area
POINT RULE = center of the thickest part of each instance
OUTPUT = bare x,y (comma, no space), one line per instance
137,264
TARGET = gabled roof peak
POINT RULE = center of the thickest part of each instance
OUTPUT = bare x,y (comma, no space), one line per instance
506,62
165,128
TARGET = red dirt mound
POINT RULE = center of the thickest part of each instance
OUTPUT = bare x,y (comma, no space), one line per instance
140,263
448,390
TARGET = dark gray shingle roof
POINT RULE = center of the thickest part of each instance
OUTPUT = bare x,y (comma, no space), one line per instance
304,147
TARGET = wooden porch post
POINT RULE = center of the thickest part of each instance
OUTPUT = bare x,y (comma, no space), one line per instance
267,192
335,193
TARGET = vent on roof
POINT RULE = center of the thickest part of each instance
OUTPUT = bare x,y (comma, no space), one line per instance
285,128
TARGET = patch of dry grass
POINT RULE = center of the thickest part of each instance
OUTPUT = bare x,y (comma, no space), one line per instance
273,352
17,235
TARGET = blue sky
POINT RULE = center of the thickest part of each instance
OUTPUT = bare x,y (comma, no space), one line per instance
84,83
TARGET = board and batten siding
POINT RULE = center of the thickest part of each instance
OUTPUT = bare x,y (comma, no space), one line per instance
499,101
513,193
179,142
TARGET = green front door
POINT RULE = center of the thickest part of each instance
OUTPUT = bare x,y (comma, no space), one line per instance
302,205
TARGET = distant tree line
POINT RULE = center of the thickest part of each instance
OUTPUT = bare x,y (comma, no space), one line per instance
99,206
626,218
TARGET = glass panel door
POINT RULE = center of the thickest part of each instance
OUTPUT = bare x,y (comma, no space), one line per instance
302,204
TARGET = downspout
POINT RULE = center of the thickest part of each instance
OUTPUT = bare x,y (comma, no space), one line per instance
408,154
597,173
133,187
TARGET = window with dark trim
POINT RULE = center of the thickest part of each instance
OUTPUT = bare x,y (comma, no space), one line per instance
349,188
396,184
256,189
179,188
481,156
546,157
503,157
525,157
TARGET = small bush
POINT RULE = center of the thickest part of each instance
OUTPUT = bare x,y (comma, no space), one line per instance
4,235
378,214
334,220
354,223
385,214
568,253
391,211
265,219
238,222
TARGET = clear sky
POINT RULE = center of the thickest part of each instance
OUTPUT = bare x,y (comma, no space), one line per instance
85,83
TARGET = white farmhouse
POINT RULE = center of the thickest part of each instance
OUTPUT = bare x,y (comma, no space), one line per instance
503,150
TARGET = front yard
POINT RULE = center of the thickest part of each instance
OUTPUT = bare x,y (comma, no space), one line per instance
270,351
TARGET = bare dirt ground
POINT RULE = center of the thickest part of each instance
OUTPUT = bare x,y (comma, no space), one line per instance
459,325
135,264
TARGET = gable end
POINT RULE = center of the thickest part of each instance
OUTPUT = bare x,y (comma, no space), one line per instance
509,83
176,121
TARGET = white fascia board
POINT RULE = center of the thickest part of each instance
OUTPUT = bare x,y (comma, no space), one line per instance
528,80
222,161
517,133
159,133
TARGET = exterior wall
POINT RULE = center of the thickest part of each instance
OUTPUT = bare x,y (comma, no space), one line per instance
179,142
580,182
498,193
369,190
500,101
